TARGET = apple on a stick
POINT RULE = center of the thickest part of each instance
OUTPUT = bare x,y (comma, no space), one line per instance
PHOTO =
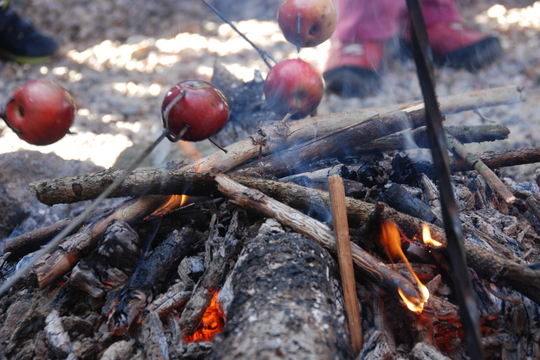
194,110
307,23
293,86
40,112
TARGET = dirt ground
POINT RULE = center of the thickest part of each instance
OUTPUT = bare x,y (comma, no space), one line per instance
119,58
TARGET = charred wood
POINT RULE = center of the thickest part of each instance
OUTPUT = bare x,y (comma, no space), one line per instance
151,338
54,265
284,305
111,264
149,279
402,200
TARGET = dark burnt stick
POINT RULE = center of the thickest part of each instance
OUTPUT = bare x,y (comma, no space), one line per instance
149,279
23,244
368,265
54,265
488,265
472,159
400,199
341,229
465,134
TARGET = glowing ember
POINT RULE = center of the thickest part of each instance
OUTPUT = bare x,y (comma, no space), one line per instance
211,324
391,240
426,237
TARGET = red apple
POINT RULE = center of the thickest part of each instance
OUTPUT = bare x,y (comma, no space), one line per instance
293,86
40,112
307,23
194,110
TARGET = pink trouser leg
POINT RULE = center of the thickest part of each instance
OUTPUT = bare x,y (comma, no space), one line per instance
378,20
440,11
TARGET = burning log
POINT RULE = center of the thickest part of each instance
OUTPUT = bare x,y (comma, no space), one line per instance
283,303
219,259
488,265
369,266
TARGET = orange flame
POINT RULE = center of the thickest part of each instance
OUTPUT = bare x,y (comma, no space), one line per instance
211,324
174,202
426,237
391,241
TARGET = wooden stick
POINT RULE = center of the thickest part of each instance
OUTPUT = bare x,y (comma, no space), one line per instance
341,228
465,134
472,159
23,244
500,159
368,265
54,265
156,182
276,135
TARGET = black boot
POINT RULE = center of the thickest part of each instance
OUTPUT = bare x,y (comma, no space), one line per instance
21,42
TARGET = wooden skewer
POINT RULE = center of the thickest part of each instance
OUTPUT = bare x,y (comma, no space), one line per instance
341,229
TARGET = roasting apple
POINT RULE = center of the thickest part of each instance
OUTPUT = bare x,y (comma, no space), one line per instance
307,23
293,86
194,110
40,112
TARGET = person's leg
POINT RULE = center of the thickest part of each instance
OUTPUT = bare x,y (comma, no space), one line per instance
452,41
20,41
358,45
372,20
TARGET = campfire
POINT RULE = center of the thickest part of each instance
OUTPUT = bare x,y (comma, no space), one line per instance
235,254
248,253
